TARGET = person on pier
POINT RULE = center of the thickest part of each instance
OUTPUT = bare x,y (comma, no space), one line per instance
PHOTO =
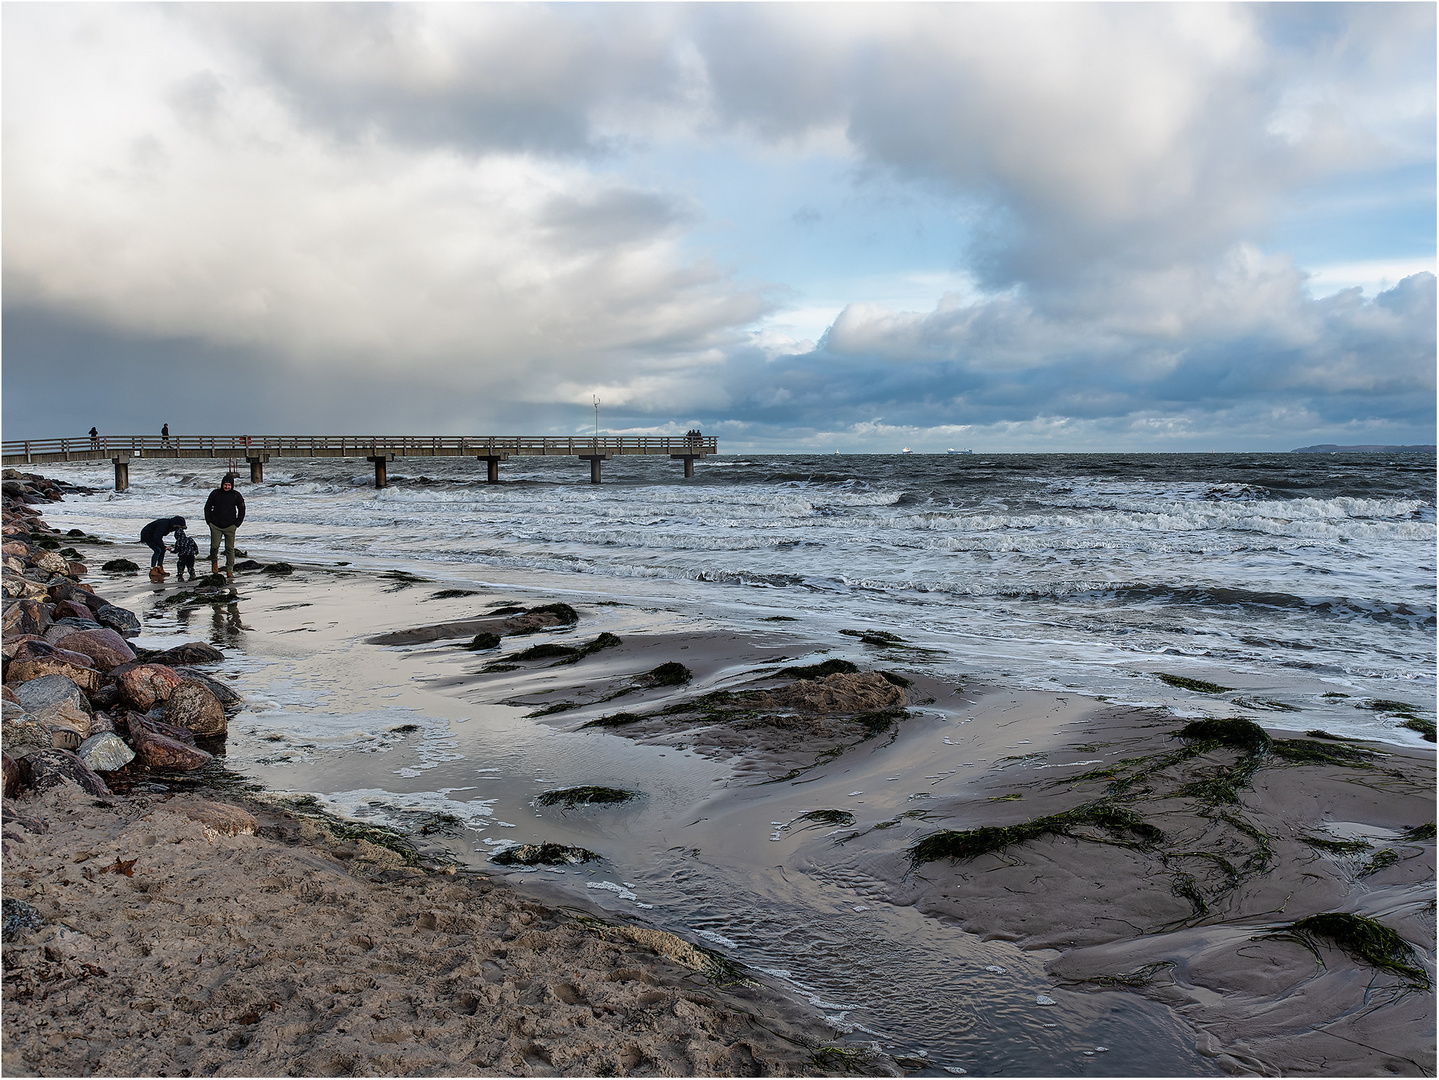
224,513
165,435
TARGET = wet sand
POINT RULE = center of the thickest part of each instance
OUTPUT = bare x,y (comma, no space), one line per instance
1186,920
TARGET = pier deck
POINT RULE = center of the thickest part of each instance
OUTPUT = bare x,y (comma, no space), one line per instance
377,449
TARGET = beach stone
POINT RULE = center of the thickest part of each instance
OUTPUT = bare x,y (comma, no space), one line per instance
105,648
217,820
101,722
62,629
11,776
14,564
23,737
69,609
154,722
77,568
192,706
108,696
118,619
142,685
22,671
19,586
50,768
12,645
17,548
6,694
162,752
229,698
56,698
191,652
105,752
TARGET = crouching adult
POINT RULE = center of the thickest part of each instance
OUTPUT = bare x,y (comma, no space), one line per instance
153,536
224,513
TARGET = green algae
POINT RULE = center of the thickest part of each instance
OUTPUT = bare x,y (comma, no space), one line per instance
1384,857
1338,847
585,796
971,843
1241,734
1425,728
828,817
670,674
452,594
1383,705
820,671
1419,832
1363,940
481,642
619,719
543,854
1312,752
1197,685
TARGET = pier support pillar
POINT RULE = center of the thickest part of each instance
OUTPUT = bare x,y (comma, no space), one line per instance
689,460
380,461
257,468
594,460
492,462
122,473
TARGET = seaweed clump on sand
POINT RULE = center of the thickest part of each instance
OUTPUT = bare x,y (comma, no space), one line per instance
971,843
820,671
1363,939
544,854
1425,728
1419,832
1199,686
585,796
120,566
569,654
619,719
480,642
670,674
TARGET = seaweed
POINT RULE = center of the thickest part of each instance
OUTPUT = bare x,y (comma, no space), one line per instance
482,641
505,608
566,613
452,594
877,723
881,638
1337,847
584,796
618,719
779,618
1311,752
120,566
828,817
573,654
545,854
1197,685
1425,728
550,710
820,671
842,1058
971,843
1137,977
1266,704
1382,858
1243,734
1187,888
286,568
670,674
1334,694
1362,939
1419,832
895,680
545,652
1383,705
1320,733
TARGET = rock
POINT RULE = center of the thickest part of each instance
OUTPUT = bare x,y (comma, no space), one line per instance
78,593
228,697
21,738
11,775
118,619
161,752
40,649
192,652
12,645
142,685
101,722
49,768
108,696
105,648
217,820
51,563
18,548
77,568
63,734
26,617
59,631
69,609
105,752
21,671
192,707
155,723
16,585
6,694
54,698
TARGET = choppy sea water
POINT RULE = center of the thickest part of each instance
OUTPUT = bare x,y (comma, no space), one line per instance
1295,575
1289,577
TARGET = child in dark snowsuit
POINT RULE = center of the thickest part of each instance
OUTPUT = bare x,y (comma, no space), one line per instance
185,551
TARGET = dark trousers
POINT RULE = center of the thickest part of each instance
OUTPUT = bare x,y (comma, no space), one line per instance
158,547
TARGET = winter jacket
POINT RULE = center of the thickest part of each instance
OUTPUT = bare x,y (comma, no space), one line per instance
225,508
160,527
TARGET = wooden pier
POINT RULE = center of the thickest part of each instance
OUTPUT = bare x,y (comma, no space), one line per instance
377,449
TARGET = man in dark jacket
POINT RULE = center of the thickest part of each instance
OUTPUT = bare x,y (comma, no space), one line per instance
153,536
224,513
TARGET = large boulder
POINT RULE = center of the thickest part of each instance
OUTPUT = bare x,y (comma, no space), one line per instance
11,645
69,609
56,699
192,707
155,723
142,686
63,628
118,619
34,648
80,594
18,585
51,563
13,775
105,648
83,676
161,752
18,548
105,752
49,768
21,737
228,697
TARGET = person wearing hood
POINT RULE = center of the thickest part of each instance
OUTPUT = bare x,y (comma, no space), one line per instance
153,536
224,513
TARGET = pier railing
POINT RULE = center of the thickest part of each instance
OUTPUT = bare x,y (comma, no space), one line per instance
257,449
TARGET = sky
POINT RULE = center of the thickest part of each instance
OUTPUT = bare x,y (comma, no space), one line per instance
1012,227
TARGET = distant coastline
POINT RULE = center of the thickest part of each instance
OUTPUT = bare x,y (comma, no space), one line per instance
1371,448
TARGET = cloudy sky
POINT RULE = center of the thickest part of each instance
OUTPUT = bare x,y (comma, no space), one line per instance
799,227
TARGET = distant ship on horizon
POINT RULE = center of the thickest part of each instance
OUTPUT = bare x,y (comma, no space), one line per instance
906,450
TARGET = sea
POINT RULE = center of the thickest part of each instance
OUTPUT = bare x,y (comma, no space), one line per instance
1305,582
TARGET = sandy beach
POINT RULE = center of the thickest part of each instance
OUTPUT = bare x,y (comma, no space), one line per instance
212,932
